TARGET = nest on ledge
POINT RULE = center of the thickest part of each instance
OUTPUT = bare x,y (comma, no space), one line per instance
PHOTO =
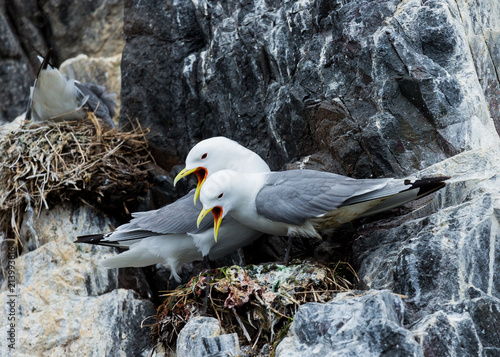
257,302
42,164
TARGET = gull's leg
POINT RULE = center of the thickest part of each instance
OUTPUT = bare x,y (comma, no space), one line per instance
288,249
206,263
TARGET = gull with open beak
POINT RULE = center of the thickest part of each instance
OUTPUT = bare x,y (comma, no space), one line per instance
170,235
219,153
304,202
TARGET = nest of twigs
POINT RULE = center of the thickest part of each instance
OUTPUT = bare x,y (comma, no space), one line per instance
42,164
256,302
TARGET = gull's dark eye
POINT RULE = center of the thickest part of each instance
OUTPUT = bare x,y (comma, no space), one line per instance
204,156
220,196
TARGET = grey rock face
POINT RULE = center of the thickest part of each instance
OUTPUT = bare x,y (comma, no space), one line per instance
90,27
442,334
444,258
364,88
380,87
370,324
66,304
30,28
15,74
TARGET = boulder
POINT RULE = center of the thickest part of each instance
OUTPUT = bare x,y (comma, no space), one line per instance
65,303
202,336
365,324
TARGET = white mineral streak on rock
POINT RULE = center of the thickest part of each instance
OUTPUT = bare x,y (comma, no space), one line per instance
202,336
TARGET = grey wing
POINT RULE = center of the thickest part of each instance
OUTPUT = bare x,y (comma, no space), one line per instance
295,196
102,103
178,217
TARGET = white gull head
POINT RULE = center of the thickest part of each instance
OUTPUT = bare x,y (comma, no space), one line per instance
220,153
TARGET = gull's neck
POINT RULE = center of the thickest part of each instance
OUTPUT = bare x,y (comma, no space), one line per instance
250,161
245,187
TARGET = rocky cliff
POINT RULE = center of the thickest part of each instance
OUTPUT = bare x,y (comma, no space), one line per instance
363,88
371,87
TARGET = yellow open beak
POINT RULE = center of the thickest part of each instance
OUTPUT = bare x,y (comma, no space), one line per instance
200,172
201,181
217,212
182,174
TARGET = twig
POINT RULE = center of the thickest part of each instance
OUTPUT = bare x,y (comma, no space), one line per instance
79,147
245,332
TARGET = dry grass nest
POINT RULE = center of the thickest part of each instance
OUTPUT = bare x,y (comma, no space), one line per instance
42,164
256,302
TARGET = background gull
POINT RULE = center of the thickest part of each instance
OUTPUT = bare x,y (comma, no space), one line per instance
304,202
55,97
170,235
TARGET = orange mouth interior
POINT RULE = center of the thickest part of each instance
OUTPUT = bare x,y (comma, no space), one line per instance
217,212
201,174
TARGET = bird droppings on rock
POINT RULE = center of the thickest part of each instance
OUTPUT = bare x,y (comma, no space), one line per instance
48,163
256,302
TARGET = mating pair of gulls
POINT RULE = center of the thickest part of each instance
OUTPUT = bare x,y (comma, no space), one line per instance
247,200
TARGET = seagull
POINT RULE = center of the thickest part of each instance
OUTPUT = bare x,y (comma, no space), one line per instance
304,202
170,235
54,97
219,153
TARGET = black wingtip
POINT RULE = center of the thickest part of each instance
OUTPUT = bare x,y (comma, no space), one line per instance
97,239
90,239
45,62
428,185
